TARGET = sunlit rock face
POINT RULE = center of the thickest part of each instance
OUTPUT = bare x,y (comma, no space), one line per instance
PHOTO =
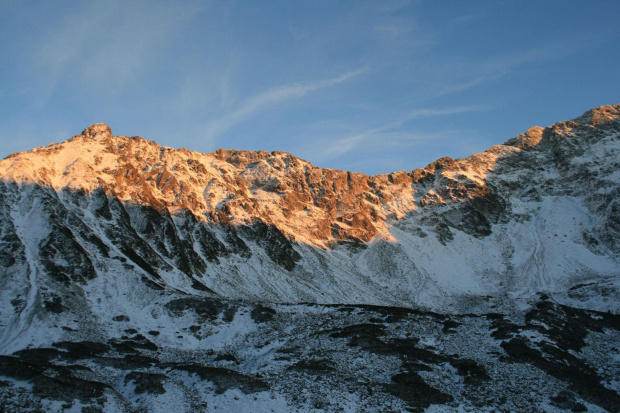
99,131
314,206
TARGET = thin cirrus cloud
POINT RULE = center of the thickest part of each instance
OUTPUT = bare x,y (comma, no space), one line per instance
273,97
388,133
105,45
465,74
195,73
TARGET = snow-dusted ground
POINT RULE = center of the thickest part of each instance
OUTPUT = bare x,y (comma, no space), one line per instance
161,350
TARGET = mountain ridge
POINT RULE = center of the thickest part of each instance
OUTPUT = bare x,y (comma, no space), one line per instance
236,191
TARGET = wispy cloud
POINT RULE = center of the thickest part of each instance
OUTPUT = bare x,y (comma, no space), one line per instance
387,6
504,64
387,134
273,97
393,29
454,76
106,45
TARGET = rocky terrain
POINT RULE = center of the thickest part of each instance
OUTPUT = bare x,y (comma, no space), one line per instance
138,277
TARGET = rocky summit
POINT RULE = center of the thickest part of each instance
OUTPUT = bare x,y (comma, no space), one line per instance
137,277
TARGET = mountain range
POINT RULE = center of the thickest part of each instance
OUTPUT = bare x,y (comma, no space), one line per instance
136,276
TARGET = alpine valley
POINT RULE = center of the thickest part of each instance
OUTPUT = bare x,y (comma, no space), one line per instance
136,277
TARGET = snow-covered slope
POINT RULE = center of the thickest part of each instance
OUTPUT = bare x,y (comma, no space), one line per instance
134,276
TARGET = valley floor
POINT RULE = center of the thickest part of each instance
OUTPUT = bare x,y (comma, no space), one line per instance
204,354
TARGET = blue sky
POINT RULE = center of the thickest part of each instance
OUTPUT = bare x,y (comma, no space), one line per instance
367,86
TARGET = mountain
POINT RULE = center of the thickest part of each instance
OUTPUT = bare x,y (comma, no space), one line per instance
133,273
539,213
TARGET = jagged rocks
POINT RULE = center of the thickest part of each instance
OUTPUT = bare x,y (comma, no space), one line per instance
98,131
205,308
261,314
412,389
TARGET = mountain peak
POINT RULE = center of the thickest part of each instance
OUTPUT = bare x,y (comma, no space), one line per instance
531,137
98,131
600,114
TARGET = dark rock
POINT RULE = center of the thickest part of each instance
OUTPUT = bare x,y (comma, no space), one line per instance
151,383
567,401
563,365
315,366
51,382
471,371
64,258
54,305
413,390
278,248
128,362
450,325
68,388
224,379
132,345
83,349
226,357
365,336
40,356
205,308
262,314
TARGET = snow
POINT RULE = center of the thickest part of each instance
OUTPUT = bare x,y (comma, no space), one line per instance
549,239
32,230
